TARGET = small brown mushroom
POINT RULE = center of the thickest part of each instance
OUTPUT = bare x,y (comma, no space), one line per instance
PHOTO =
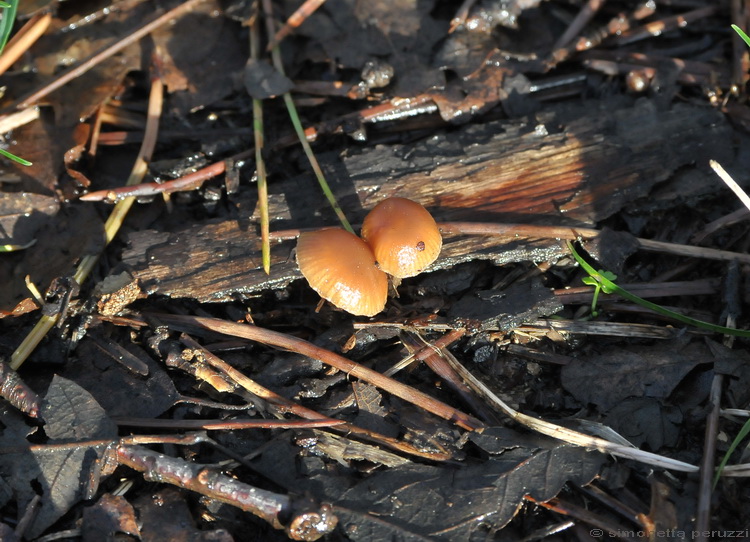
403,236
341,268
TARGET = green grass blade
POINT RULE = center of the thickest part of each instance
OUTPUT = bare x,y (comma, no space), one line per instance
744,36
740,436
6,27
314,162
15,158
610,287
292,109
6,24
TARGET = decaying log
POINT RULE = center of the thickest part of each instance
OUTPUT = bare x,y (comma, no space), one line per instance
574,167
220,262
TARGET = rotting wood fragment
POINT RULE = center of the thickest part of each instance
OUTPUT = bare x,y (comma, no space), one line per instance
190,264
575,166
115,293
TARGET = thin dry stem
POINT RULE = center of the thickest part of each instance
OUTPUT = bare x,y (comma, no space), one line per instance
459,19
96,132
230,425
439,365
285,405
106,53
563,433
18,119
703,515
514,231
192,181
660,26
443,342
583,515
140,168
731,183
578,24
24,39
293,344
294,20
260,163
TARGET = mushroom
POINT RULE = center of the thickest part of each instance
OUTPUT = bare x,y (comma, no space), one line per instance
341,268
403,236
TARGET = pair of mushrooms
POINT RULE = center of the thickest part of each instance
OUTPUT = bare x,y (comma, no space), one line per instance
399,237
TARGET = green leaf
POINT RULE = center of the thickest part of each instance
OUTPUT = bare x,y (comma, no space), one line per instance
607,290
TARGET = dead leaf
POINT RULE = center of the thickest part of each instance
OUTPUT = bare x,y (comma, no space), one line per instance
263,81
644,420
111,515
607,378
199,76
41,143
71,413
74,231
22,214
119,391
439,503
62,476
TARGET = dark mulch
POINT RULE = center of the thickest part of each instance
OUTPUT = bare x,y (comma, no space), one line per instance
151,408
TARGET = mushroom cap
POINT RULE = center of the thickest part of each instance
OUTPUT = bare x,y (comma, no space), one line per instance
341,268
403,236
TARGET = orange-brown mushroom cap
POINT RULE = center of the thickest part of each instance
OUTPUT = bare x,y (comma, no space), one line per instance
341,268
403,236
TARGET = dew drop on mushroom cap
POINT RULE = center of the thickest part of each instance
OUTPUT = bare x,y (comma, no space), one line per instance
341,268
403,236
